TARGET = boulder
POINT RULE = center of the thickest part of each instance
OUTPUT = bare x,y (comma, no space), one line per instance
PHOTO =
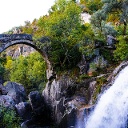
24,110
111,40
6,101
1,80
54,93
76,112
41,111
64,91
37,102
2,90
16,91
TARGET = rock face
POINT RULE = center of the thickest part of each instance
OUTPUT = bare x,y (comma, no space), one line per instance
16,91
113,75
35,112
12,94
111,41
83,66
66,97
6,101
21,49
3,90
24,110
1,80
40,109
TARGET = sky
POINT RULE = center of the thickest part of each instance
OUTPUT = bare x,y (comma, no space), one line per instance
14,12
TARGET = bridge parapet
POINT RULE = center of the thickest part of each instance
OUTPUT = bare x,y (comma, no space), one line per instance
4,38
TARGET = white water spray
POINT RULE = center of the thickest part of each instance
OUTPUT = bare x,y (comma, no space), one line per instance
111,110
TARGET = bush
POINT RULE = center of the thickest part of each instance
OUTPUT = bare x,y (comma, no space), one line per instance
30,71
121,52
8,118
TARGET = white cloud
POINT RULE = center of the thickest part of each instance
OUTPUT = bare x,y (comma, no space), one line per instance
15,12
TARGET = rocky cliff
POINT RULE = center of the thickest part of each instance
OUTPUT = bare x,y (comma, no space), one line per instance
70,98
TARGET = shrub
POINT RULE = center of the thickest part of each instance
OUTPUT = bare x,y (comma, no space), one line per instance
8,118
121,52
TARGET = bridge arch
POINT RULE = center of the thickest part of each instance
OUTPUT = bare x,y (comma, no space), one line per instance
6,45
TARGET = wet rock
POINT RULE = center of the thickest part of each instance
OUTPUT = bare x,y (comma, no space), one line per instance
76,102
16,91
113,76
69,119
91,89
117,70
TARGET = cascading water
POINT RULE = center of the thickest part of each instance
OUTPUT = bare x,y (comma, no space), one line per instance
111,110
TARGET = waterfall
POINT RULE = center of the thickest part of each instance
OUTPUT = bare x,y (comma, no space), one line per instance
111,110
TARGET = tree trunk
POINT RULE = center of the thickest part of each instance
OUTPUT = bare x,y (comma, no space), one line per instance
125,28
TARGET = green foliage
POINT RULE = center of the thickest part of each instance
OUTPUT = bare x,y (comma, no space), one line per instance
93,67
87,44
2,69
100,26
98,22
29,71
121,52
120,7
64,28
107,54
99,83
94,5
8,118
109,29
120,29
84,76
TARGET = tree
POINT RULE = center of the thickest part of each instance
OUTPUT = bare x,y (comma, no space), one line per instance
98,22
2,68
120,7
64,29
94,5
29,71
87,44
121,52
91,6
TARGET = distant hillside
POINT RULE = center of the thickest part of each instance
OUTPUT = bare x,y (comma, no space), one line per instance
17,50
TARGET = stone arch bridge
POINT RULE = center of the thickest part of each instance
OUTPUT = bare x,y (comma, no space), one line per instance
7,40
